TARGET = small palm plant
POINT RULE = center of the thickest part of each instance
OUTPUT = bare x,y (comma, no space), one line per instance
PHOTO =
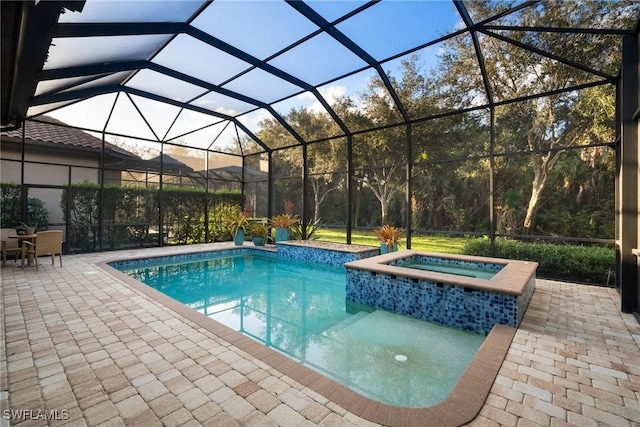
284,220
389,236
301,231
259,233
283,223
237,225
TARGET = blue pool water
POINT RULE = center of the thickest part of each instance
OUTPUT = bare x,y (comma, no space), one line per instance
459,270
299,309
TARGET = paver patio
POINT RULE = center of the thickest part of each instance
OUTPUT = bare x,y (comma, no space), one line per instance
86,348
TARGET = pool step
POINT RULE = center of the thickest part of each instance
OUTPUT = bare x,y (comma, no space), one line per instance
339,327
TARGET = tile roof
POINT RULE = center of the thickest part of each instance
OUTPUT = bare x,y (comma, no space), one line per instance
49,131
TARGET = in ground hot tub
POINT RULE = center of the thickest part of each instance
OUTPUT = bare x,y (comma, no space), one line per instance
466,292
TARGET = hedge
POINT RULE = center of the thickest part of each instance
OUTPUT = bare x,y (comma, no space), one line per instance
573,263
130,215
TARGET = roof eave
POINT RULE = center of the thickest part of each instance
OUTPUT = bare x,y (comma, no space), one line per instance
49,147
27,31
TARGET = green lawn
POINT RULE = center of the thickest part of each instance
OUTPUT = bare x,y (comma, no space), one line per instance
428,243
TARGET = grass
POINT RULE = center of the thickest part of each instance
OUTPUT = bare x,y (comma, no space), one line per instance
446,244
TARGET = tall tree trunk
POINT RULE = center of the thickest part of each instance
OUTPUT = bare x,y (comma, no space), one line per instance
356,202
383,211
316,185
316,205
532,207
384,188
542,165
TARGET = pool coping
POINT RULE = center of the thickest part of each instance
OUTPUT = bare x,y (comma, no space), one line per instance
502,282
330,246
461,406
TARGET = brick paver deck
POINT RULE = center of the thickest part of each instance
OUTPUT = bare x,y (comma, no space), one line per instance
84,348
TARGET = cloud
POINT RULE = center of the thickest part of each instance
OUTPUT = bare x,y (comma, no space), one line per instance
228,111
252,120
212,105
306,96
329,93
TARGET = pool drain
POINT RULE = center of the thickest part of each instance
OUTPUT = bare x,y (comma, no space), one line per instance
400,358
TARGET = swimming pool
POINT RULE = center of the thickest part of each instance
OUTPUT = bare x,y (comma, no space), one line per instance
299,309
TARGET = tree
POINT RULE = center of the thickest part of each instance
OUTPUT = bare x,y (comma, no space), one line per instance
321,179
450,190
322,157
144,149
436,187
545,126
381,153
383,177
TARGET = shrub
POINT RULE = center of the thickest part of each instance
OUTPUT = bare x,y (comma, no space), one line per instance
220,209
307,231
577,263
130,215
11,212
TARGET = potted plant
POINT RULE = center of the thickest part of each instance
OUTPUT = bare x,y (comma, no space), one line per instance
28,229
283,223
301,231
259,232
237,225
389,236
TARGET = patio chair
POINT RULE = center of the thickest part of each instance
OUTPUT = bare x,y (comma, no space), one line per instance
45,243
9,246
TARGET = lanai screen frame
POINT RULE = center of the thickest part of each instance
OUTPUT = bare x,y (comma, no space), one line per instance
627,110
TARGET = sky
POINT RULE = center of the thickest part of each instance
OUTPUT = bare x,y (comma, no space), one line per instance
262,29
